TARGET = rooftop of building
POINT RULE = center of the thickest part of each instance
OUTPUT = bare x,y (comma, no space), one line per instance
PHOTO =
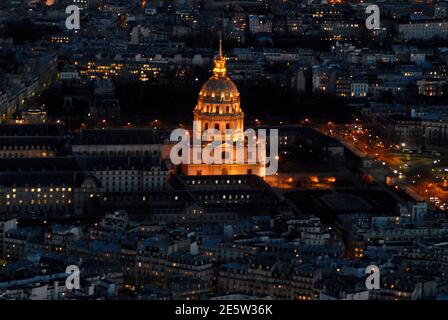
105,163
31,130
116,136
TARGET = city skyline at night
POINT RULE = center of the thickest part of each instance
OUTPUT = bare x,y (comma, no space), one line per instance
213,151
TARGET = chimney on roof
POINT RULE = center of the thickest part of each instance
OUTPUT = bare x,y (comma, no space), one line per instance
194,250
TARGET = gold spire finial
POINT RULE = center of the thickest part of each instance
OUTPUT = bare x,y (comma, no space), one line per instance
220,62
220,45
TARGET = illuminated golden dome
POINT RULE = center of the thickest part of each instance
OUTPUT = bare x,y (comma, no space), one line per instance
219,94
219,103
219,91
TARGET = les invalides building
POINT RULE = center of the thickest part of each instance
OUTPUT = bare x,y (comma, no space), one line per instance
219,108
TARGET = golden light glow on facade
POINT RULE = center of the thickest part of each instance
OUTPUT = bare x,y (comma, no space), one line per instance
219,108
219,101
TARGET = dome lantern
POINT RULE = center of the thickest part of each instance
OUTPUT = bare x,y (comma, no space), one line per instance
220,70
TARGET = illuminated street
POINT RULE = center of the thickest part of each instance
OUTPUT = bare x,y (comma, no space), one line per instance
419,174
